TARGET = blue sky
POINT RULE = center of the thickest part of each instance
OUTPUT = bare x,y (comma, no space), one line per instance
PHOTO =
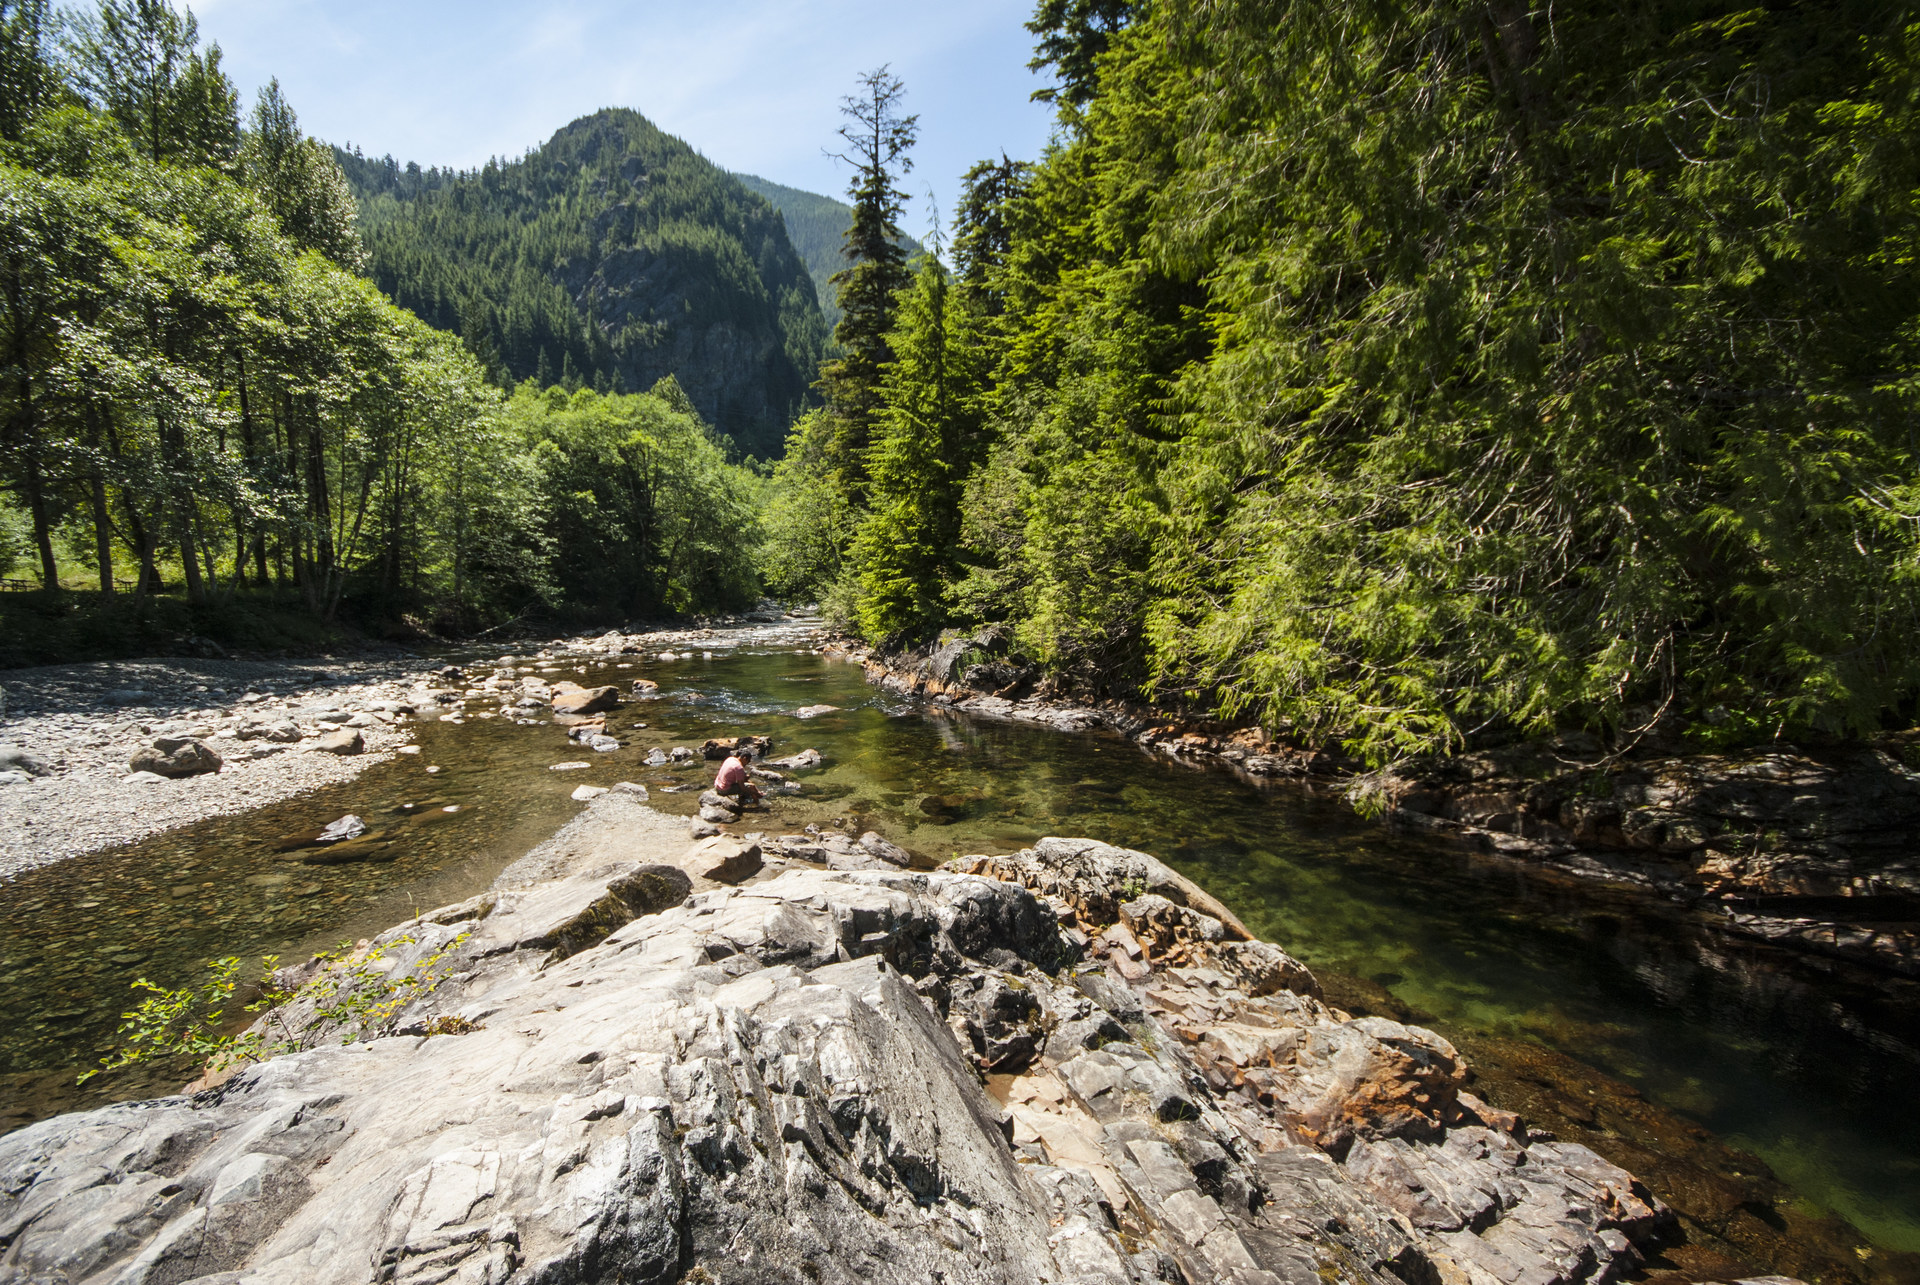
753,84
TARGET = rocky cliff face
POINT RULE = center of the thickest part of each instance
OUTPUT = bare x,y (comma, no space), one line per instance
1052,1066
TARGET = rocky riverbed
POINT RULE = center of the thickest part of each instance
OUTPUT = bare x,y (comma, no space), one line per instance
72,736
637,1063
1813,848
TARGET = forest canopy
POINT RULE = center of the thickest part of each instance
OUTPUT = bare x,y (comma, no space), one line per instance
1412,373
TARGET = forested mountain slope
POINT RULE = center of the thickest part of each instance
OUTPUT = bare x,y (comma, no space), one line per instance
817,226
612,256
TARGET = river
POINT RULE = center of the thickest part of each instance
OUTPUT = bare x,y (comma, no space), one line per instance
1766,1095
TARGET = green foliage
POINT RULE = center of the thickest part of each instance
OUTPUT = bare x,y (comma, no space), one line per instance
610,257
197,386
1410,374
641,511
927,441
1609,406
982,224
140,62
808,523
355,996
1073,35
29,81
301,184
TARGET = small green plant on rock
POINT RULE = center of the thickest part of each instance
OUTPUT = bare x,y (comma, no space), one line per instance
353,994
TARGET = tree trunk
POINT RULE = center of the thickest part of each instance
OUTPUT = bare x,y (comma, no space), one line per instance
42,529
320,510
102,535
190,564
213,571
249,454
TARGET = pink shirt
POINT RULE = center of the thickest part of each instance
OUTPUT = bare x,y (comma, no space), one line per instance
733,772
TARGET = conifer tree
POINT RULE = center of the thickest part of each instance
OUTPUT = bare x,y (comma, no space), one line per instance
1073,34
927,440
983,231
301,182
878,142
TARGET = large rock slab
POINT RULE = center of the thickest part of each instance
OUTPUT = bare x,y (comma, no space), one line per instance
781,1082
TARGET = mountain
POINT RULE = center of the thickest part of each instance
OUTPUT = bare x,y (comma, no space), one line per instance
611,256
817,226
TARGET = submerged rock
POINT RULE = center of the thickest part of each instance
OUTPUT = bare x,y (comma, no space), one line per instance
780,1081
347,827
795,762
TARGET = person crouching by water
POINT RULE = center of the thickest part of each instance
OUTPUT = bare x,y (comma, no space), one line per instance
733,781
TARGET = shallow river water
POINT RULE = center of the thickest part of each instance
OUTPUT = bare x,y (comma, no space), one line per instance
1768,1097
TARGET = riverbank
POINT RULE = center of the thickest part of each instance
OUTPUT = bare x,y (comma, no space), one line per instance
1811,848
70,789
836,1072
1773,1052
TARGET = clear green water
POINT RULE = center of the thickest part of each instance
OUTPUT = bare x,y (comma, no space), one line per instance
1810,1065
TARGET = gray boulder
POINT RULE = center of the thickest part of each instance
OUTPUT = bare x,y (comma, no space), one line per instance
719,859
876,844
344,741
175,756
15,759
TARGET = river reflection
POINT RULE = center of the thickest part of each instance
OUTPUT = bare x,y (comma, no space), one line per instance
1669,1025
